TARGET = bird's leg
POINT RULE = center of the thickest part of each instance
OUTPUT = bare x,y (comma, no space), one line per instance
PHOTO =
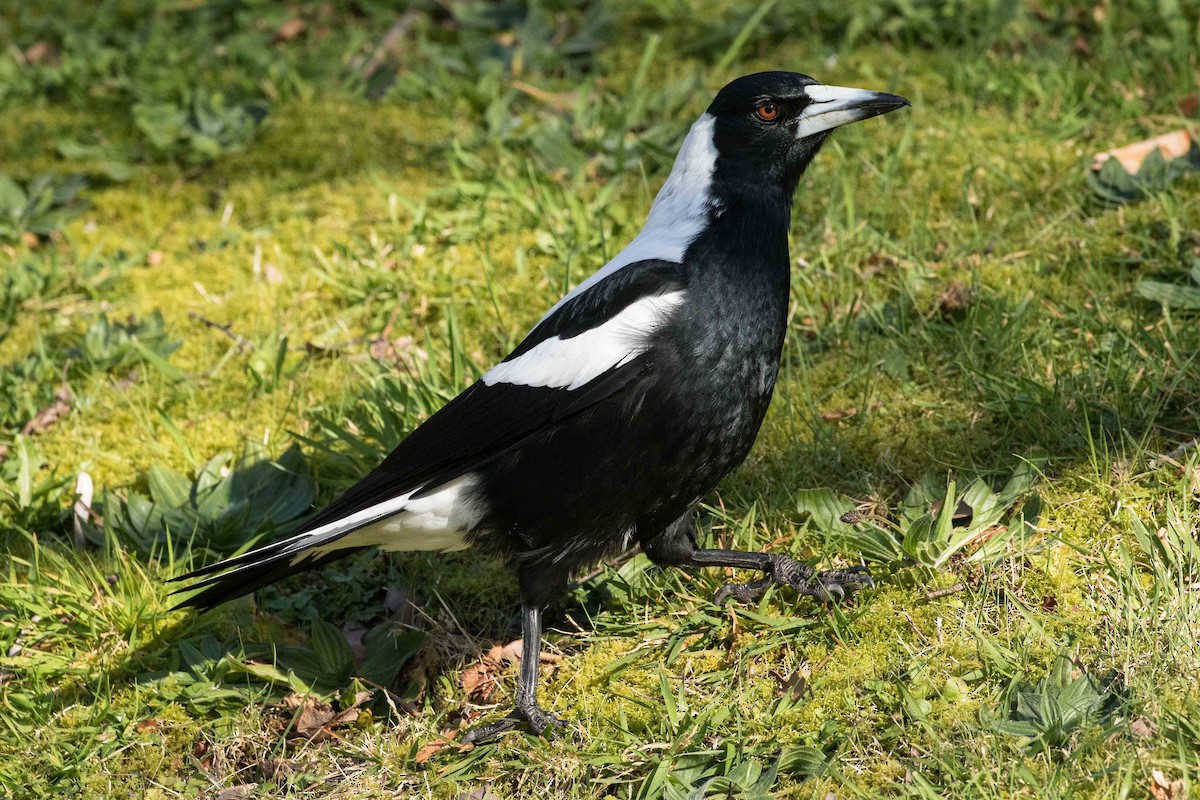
676,547
526,709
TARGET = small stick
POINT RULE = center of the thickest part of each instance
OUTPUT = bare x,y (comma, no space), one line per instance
227,329
936,593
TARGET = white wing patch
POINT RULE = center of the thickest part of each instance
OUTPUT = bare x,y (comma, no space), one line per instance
574,361
679,212
437,521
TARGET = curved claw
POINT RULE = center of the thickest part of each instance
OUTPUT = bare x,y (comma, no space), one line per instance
540,721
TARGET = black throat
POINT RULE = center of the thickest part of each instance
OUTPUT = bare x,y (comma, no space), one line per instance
738,279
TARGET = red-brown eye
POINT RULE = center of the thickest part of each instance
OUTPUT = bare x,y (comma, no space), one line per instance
767,112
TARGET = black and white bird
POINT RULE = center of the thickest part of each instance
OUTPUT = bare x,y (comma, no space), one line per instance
625,405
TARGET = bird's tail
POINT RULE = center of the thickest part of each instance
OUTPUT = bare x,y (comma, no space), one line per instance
241,575
368,515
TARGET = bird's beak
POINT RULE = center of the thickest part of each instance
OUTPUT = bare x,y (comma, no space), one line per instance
834,106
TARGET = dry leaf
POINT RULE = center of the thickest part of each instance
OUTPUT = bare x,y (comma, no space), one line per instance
956,298
1171,145
63,399
289,30
433,748
478,793
40,52
155,258
276,767
315,720
1162,789
1143,728
240,792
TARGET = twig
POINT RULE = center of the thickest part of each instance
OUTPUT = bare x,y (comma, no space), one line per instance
366,66
44,419
1175,455
227,329
936,593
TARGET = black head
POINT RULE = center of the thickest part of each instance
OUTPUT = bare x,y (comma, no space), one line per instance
768,126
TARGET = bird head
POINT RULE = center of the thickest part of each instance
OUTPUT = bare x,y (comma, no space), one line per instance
767,127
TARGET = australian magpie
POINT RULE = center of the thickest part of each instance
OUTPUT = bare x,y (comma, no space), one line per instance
625,405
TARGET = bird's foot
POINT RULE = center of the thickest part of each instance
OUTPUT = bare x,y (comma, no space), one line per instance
824,586
539,720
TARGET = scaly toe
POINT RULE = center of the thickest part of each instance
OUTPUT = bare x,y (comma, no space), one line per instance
742,592
481,734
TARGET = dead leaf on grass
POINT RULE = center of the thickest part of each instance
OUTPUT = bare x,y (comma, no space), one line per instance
1143,728
240,792
45,419
289,30
478,793
314,720
956,298
1172,145
1163,789
41,52
433,748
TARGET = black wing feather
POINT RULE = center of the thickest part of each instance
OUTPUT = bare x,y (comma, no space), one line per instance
484,422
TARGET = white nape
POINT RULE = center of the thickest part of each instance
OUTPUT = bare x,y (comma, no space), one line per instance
437,521
678,214
576,360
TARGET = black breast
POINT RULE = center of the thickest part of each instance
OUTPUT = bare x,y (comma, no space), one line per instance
627,468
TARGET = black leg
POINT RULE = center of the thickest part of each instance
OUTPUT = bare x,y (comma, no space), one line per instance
527,709
676,547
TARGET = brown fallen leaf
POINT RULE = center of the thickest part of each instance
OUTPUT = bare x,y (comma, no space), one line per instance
956,298
480,680
276,767
478,793
1171,145
288,31
41,52
1143,728
1163,789
433,748
240,792
44,419
314,720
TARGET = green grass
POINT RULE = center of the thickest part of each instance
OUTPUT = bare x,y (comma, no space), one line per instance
966,312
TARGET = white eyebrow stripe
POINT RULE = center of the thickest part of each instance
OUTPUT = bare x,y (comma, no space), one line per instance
575,361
